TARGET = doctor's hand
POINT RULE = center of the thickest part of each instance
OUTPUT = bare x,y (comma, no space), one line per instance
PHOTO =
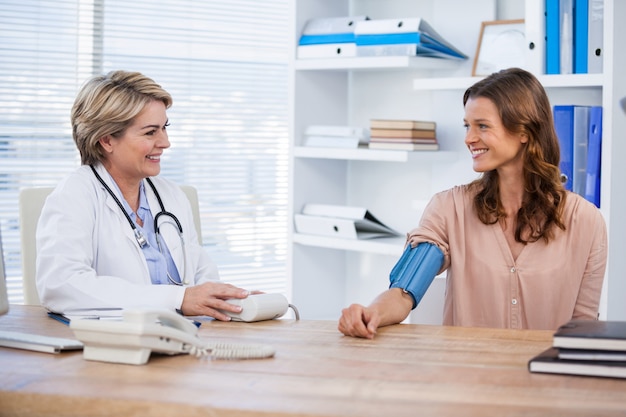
209,298
359,321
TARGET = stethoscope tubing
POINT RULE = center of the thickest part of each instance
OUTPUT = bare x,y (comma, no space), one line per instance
141,239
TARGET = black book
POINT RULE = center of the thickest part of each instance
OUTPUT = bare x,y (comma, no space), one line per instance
591,334
592,355
549,362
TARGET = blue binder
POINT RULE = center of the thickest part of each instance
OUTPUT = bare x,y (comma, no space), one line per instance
564,126
581,36
553,54
594,156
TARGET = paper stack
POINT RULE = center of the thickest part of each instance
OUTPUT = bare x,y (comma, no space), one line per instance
412,37
336,136
404,135
328,37
585,347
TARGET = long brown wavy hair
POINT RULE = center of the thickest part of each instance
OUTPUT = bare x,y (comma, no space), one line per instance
524,108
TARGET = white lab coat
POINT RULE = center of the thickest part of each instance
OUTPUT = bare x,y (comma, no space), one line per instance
87,254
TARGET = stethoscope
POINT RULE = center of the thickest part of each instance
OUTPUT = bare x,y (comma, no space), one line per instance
141,239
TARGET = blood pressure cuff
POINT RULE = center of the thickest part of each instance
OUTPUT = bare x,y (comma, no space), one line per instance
416,269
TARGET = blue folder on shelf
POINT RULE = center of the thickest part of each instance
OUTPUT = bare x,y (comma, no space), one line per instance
553,51
581,36
594,156
564,126
402,36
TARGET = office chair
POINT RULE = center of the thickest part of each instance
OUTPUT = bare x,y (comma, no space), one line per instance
31,201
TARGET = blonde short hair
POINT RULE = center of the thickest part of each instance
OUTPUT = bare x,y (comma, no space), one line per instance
107,105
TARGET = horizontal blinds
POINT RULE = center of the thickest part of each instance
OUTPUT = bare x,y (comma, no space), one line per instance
225,64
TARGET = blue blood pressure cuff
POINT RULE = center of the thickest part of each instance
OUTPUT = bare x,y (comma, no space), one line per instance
416,269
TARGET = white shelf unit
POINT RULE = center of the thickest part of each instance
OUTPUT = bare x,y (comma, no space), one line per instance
329,274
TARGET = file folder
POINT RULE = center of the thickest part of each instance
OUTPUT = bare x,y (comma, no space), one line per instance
345,222
403,31
329,30
331,25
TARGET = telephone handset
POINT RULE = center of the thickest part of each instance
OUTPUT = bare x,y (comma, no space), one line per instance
140,332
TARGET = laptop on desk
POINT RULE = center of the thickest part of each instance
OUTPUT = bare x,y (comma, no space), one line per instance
28,341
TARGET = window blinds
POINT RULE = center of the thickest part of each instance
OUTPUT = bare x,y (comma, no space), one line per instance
225,65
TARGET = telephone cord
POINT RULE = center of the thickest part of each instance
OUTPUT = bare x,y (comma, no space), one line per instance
232,351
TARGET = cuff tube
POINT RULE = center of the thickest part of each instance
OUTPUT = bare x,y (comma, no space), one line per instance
416,269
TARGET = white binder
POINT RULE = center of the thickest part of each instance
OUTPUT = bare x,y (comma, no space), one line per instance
341,221
326,50
535,28
595,46
330,25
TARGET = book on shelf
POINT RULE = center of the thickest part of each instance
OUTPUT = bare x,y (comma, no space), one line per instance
403,133
402,140
402,124
549,362
346,222
591,334
397,146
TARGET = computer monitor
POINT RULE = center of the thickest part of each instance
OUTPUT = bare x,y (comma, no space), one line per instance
4,298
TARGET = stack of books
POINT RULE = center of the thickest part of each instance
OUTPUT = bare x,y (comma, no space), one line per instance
331,37
403,135
585,347
409,37
336,136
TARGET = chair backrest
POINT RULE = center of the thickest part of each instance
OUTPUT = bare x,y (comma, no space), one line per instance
192,195
4,298
31,202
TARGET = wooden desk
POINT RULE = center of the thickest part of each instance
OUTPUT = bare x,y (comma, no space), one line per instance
408,370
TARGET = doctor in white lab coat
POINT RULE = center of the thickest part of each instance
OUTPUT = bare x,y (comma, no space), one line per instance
89,254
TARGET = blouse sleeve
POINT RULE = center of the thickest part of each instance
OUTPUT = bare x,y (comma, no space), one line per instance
587,303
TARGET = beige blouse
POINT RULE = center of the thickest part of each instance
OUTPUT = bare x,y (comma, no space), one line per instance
545,287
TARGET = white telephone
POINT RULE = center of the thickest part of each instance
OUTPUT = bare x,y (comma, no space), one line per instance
132,339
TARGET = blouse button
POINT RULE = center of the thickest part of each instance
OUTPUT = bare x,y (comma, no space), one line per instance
513,269
514,301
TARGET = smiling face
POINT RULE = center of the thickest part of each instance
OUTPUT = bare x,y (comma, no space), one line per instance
135,153
492,146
